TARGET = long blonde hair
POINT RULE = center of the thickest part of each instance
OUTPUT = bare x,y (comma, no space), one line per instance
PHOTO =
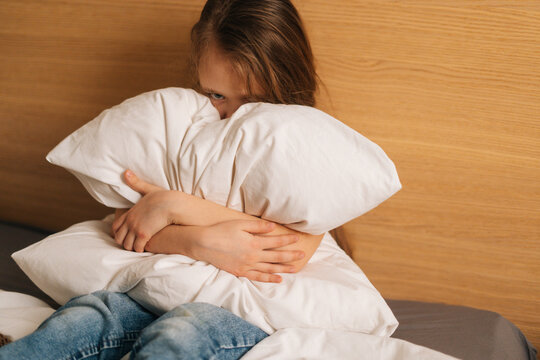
265,41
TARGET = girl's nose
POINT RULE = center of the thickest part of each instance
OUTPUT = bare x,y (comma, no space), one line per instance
223,114
226,110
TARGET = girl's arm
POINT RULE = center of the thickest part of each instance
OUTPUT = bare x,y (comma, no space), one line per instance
229,239
230,246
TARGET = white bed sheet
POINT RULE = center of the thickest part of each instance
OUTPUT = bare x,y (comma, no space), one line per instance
300,343
21,314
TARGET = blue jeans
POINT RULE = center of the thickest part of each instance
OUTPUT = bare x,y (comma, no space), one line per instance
106,325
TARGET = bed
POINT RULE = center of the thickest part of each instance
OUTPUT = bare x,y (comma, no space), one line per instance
450,90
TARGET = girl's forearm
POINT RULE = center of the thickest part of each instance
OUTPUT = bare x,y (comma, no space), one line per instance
192,210
190,241
176,239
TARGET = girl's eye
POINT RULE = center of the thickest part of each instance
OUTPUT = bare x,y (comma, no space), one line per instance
215,96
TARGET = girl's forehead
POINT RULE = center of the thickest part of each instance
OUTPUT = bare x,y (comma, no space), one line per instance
217,73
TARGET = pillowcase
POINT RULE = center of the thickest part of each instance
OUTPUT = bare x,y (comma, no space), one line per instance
291,164
330,292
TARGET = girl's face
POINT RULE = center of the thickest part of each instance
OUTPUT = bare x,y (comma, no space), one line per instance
218,80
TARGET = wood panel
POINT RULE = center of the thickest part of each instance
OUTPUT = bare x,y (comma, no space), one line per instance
450,90
62,64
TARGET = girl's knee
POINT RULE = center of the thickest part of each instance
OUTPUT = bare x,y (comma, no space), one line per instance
101,303
200,311
99,299
200,307
211,317
108,296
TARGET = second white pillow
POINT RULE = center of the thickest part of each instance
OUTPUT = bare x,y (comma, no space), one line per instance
331,292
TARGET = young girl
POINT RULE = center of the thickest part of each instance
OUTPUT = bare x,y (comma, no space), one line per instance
243,51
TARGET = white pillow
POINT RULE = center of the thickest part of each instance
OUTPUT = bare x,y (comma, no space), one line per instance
291,164
331,292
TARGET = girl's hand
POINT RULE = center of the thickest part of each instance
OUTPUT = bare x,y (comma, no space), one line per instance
240,248
153,212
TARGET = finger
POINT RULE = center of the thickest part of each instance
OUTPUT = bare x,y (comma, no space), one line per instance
276,241
257,226
117,223
120,235
263,277
275,268
281,256
140,186
128,241
140,243
148,246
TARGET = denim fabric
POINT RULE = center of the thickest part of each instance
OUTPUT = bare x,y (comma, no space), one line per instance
106,325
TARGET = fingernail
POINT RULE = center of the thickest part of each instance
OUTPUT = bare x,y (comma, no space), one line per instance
128,173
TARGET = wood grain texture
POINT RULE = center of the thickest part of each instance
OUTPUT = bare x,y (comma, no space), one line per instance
62,64
449,89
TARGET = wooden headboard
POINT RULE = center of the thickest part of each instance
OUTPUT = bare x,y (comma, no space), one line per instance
449,89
